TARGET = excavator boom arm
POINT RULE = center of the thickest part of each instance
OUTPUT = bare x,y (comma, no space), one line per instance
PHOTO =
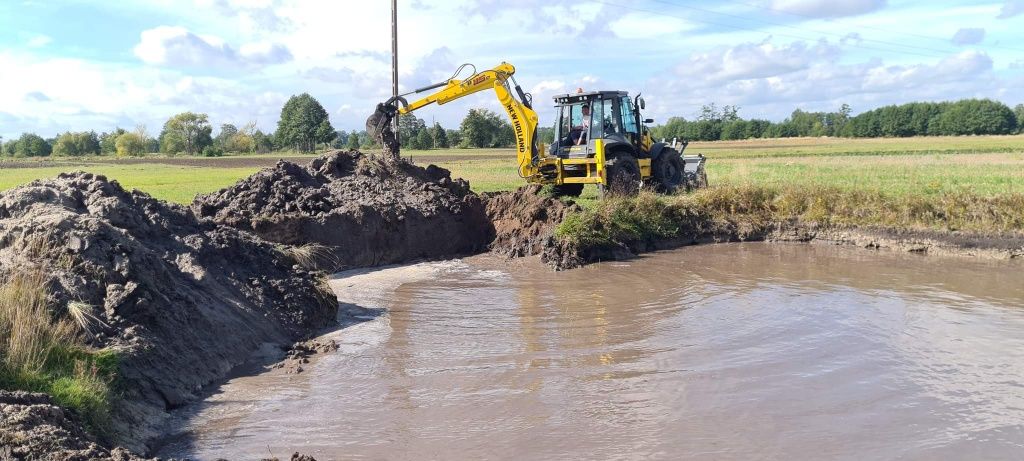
520,113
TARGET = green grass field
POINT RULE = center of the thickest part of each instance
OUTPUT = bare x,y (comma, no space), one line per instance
986,166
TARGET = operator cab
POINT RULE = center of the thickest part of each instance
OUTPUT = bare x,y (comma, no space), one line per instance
609,115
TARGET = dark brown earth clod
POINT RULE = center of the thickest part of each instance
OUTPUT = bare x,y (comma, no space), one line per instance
33,428
301,353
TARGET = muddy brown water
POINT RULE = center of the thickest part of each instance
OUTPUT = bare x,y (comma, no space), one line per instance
737,351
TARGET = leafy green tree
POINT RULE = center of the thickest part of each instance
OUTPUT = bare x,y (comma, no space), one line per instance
1018,112
439,137
212,151
186,132
340,140
107,140
226,136
64,145
9,147
31,145
412,142
353,141
409,128
976,117
76,144
366,142
262,142
482,128
454,138
424,139
545,135
734,130
304,124
132,144
325,132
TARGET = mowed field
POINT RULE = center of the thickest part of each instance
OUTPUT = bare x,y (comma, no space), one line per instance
984,166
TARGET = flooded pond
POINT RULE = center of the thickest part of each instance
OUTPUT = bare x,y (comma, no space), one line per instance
734,351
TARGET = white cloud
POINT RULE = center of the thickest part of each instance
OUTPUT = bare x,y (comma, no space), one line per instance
827,8
39,41
50,95
969,36
1011,8
646,25
754,60
824,84
177,46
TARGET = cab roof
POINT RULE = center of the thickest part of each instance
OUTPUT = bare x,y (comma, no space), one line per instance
575,98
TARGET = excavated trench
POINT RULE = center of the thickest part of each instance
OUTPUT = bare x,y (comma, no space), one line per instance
186,294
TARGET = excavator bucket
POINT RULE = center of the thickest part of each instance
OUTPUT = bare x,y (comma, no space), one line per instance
378,127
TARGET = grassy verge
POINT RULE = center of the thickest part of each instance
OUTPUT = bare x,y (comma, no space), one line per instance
749,209
41,352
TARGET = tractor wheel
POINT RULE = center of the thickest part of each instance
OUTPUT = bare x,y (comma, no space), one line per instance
667,170
622,175
567,190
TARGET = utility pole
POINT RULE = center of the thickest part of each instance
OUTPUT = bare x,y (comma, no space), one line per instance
394,59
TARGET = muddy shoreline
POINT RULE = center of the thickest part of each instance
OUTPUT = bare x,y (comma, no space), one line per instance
925,243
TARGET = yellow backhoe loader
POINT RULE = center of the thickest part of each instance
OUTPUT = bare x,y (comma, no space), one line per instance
600,137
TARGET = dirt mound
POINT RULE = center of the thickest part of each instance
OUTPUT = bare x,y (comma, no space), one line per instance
182,300
32,427
366,210
525,220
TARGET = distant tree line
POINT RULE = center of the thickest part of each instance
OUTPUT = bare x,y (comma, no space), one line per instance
304,126
965,117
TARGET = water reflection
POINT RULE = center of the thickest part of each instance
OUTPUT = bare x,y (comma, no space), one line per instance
714,352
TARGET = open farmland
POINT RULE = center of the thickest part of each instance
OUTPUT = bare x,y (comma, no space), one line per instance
987,165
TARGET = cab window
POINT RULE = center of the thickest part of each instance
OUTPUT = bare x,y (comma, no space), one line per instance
597,113
628,117
609,122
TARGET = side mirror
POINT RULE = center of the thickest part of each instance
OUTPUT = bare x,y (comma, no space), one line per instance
643,104
649,120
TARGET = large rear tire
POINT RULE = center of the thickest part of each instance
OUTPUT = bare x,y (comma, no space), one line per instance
623,175
667,171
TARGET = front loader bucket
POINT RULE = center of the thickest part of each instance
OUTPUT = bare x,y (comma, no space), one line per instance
693,172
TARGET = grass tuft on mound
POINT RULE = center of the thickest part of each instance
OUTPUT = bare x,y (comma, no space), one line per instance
42,352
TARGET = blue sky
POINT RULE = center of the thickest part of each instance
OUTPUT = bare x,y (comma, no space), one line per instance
80,65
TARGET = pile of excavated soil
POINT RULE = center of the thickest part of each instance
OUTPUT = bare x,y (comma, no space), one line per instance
366,210
525,220
32,427
182,300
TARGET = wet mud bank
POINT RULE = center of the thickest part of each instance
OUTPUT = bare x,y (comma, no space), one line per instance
563,255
